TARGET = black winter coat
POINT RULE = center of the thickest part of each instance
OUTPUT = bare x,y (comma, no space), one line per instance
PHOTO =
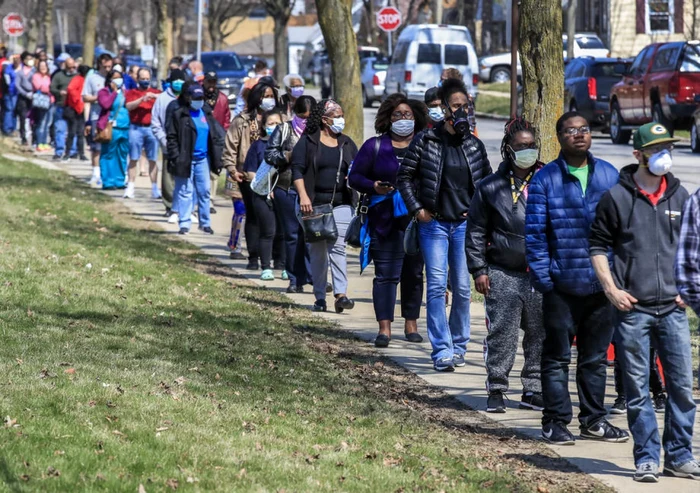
181,136
644,240
420,174
496,227
275,151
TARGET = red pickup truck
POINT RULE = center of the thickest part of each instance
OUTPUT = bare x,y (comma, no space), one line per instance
660,85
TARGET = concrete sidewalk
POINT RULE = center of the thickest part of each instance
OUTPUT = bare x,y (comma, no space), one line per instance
610,463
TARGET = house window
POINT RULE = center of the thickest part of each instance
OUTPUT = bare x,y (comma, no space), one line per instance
659,16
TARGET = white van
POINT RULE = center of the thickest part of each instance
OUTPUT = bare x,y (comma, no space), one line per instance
422,51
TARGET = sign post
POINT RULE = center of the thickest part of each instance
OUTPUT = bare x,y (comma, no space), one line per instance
13,25
388,20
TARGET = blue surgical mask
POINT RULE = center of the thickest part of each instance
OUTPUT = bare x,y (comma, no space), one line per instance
197,104
177,86
436,114
403,128
118,83
267,104
269,130
297,91
144,84
338,125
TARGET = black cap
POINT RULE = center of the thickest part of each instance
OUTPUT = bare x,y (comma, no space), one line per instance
431,95
177,74
211,76
195,91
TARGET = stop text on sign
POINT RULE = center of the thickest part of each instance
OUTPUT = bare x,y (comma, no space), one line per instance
388,19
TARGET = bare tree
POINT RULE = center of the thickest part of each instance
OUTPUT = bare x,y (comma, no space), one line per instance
280,10
164,29
220,16
486,23
48,24
335,19
541,47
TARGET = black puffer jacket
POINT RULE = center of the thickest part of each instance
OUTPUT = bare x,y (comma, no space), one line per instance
282,140
496,227
182,135
420,174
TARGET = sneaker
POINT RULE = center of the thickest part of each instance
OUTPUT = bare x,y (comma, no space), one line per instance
532,400
194,219
495,403
183,231
252,265
173,218
65,157
659,401
207,230
56,157
285,276
129,193
155,194
329,288
458,360
444,364
212,210
605,432
267,275
236,255
295,289
647,472
619,406
320,306
689,470
557,434
94,182
84,158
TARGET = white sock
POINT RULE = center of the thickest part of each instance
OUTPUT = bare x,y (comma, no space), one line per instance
96,172
154,187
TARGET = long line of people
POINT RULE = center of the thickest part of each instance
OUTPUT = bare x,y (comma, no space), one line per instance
570,252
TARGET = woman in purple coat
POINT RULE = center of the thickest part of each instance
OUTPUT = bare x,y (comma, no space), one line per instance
374,174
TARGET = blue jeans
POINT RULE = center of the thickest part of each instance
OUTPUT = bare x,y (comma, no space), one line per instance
195,188
298,266
41,126
670,336
442,244
9,121
60,131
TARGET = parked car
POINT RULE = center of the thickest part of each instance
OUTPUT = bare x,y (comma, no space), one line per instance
695,129
496,68
587,84
661,85
229,70
423,50
372,76
327,70
586,44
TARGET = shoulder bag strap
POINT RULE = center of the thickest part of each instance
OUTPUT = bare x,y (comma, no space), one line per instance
337,174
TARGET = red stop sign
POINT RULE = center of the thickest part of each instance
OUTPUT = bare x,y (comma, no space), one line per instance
13,24
388,19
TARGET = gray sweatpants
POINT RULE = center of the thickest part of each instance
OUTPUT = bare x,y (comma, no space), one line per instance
322,252
510,306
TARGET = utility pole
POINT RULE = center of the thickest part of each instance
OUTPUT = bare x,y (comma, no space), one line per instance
571,28
200,8
438,11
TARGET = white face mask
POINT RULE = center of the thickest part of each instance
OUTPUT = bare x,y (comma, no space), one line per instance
267,104
526,158
436,114
338,125
30,63
403,128
660,163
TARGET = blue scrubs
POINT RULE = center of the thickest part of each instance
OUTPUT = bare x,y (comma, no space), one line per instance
115,154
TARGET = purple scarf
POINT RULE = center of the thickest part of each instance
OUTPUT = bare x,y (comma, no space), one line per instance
298,124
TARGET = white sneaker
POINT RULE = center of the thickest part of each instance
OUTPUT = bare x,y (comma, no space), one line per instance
155,194
95,182
129,193
194,219
173,219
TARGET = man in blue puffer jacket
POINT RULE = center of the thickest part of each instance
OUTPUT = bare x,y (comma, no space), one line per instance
561,207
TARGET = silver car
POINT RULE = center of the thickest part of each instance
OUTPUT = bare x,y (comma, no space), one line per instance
496,68
372,76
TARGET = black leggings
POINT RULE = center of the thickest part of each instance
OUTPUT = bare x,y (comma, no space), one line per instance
252,231
265,216
21,112
76,127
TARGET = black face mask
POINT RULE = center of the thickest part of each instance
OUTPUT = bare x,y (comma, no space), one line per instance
460,121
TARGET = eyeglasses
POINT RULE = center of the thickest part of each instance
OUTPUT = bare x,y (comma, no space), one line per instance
398,115
522,147
573,131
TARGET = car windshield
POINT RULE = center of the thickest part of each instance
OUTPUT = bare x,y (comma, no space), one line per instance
691,59
221,63
590,43
381,64
609,70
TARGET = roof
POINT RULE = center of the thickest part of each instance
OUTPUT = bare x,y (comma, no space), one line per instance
259,46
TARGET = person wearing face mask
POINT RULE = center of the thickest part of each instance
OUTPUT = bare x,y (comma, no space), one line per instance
496,260
115,153
245,129
320,163
25,92
437,180
139,103
41,84
294,87
93,84
195,142
59,89
73,113
560,209
639,219
374,174
278,154
263,205
435,111
218,102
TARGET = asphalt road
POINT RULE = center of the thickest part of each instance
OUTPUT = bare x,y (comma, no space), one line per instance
686,165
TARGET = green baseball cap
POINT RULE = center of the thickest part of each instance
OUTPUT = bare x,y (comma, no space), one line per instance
650,135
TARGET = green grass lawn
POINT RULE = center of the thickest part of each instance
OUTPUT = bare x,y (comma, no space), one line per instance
496,87
125,362
494,105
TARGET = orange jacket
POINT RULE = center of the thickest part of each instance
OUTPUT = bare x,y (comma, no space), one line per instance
74,98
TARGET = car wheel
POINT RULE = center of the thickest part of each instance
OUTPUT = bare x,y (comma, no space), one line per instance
657,115
695,138
617,134
500,74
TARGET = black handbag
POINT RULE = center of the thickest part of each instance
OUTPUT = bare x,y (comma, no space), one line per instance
320,224
352,235
411,242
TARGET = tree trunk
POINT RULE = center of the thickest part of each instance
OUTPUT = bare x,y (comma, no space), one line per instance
91,7
281,48
486,23
48,25
543,69
335,19
163,38
32,35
